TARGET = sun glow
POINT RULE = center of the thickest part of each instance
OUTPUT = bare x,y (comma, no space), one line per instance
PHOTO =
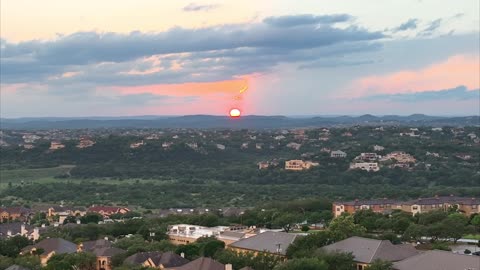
235,113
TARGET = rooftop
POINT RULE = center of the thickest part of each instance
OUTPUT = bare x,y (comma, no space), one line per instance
271,242
367,250
439,260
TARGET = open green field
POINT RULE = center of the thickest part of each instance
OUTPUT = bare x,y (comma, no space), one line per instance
48,175
32,175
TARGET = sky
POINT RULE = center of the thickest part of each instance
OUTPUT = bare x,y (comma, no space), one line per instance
270,57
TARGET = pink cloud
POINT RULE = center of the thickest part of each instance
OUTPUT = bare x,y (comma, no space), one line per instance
455,71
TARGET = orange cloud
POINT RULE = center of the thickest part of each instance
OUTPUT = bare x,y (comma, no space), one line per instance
202,89
455,71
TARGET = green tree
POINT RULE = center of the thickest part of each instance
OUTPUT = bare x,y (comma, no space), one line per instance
286,221
12,246
303,264
304,245
191,251
82,260
337,260
30,262
415,232
380,265
476,222
455,226
343,227
91,218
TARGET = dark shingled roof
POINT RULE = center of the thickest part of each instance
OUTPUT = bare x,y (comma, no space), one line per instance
367,250
201,264
107,251
96,244
167,259
439,260
58,245
14,228
267,242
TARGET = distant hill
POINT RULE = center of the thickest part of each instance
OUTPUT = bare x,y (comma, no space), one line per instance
251,122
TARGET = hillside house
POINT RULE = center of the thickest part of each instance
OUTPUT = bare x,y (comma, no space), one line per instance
299,165
107,211
366,166
55,145
337,154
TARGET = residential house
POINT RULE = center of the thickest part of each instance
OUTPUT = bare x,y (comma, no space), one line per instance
437,260
103,250
433,154
64,211
366,250
269,242
399,156
84,143
182,234
263,165
366,166
294,145
30,138
107,211
468,206
50,247
156,259
137,144
28,146
54,145
378,148
463,156
15,213
203,263
299,165
193,145
167,145
337,154
368,157
378,206
17,228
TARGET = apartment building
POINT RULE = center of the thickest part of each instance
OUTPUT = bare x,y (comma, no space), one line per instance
468,206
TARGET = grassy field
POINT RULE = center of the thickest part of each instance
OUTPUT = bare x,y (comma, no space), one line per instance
472,236
47,175
32,175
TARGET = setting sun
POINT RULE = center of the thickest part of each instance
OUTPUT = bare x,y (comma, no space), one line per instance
235,113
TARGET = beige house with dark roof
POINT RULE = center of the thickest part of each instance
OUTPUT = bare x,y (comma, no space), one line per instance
50,246
366,250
